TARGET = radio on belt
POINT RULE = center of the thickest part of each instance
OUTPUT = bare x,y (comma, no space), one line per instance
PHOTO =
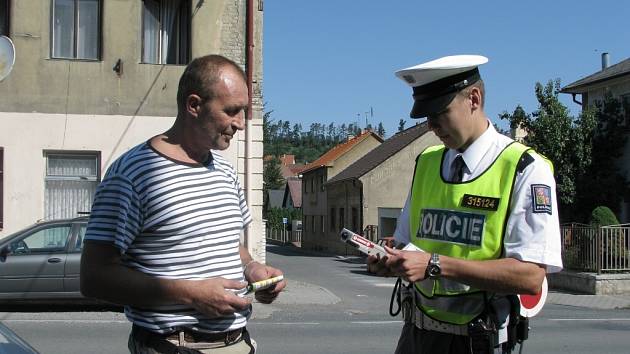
362,244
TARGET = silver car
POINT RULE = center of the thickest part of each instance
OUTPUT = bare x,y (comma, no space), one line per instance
42,261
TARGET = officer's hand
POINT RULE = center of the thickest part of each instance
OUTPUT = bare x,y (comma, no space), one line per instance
409,265
215,297
376,265
257,272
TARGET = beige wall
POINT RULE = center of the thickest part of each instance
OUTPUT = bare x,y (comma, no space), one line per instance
84,105
356,152
315,204
387,185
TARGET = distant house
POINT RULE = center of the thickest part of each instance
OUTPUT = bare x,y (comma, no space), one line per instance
616,80
367,196
314,176
292,198
274,198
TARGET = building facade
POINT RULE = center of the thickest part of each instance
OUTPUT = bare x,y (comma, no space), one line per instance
368,196
314,177
93,78
615,80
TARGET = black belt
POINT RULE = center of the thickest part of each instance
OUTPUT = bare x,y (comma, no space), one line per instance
192,339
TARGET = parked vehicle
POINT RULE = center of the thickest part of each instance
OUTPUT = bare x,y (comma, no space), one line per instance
42,261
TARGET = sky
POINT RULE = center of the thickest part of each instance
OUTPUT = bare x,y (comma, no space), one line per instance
334,61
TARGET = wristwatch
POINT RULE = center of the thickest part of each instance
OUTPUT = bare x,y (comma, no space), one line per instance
433,269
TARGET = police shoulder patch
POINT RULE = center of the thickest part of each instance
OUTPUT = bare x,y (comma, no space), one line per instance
541,198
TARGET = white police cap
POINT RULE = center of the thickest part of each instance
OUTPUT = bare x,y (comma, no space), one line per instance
435,83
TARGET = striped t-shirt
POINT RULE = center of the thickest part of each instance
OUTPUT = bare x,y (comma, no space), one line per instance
173,220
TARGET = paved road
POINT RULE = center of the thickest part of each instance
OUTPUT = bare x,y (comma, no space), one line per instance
331,305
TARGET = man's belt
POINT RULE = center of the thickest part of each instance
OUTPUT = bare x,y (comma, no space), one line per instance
192,339
423,321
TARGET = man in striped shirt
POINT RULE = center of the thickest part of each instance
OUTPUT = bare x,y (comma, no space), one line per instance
164,232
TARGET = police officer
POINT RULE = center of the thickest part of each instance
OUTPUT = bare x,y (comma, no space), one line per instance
482,211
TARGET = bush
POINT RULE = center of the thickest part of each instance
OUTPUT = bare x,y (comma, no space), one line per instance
603,216
274,217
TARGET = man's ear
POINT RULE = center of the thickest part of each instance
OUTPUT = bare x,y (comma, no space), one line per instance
193,104
475,98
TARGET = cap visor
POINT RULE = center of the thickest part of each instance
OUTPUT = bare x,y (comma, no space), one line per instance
423,108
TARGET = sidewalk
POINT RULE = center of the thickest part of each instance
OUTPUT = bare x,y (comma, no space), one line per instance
305,293
601,302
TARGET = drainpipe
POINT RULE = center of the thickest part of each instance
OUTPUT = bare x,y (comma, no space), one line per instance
249,62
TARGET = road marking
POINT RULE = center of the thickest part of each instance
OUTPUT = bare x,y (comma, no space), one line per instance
376,322
69,320
589,319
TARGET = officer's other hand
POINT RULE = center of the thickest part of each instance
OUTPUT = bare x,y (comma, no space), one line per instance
257,272
409,265
216,297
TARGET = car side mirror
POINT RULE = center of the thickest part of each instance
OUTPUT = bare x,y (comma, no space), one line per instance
4,252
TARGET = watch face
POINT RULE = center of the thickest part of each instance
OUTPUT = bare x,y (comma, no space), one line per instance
434,271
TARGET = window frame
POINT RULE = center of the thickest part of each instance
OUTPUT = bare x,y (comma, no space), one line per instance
188,54
96,155
99,30
1,187
7,19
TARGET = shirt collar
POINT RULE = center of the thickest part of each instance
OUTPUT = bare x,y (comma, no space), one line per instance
473,154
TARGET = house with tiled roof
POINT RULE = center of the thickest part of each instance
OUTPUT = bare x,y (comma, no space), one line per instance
613,79
315,174
368,195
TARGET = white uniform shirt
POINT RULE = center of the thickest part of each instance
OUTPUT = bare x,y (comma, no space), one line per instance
530,236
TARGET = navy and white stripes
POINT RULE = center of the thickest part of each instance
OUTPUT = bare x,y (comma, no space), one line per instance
173,220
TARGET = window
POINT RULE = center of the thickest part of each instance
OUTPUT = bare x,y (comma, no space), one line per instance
355,219
50,239
341,218
4,18
322,224
166,31
625,105
321,182
71,181
1,187
76,29
332,219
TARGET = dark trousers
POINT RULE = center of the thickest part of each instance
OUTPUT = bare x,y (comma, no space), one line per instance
419,341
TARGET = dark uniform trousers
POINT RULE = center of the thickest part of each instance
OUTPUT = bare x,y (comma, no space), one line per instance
419,341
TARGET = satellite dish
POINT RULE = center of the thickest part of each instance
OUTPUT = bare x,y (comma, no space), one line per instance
7,56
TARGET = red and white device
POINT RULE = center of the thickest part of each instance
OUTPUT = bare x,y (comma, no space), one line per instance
362,244
532,304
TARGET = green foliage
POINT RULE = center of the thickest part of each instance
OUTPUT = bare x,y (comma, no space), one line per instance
272,175
281,137
603,216
566,141
401,125
274,217
602,183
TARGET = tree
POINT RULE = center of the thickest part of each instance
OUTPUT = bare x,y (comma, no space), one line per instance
602,183
401,125
380,130
561,138
272,177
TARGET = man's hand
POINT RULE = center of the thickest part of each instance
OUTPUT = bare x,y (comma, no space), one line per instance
409,265
256,272
376,265
215,297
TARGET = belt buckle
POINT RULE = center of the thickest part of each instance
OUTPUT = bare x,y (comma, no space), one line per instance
232,336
